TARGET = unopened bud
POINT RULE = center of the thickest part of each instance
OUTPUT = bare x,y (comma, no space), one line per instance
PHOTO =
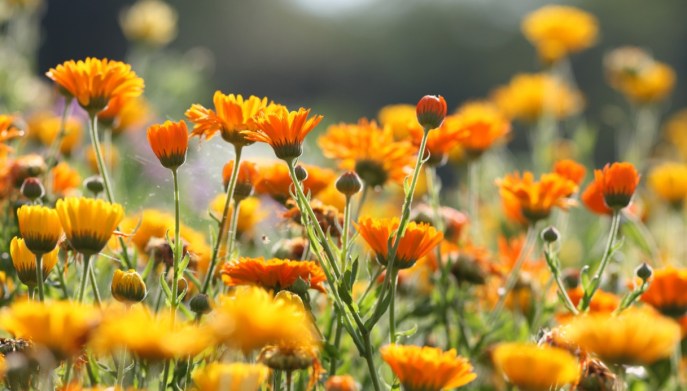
200,304
349,183
301,173
550,234
644,271
32,188
94,184
431,111
128,287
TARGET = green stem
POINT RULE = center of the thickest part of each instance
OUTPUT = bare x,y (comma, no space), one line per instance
94,286
39,276
177,247
345,233
392,307
223,222
54,151
84,277
363,198
60,276
337,341
596,280
165,375
120,369
370,361
473,202
233,228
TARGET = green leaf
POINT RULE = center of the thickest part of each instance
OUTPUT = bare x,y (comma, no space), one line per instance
165,287
407,333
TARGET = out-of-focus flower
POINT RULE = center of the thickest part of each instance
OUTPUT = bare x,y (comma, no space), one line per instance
669,182
65,179
247,175
94,82
454,221
431,111
328,217
617,182
332,196
676,132
251,212
169,142
110,156
557,31
274,274
478,126
571,170
341,383
26,166
636,74
439,141
417,240
427,368
230,377
151,22
536,368
526,199
232,115
40,228
63,327
400,118
529,96
635,337
125,114
274,180
8,131
368,150
602,301
283,130
88,223
128,286
667,291
24,262
46,126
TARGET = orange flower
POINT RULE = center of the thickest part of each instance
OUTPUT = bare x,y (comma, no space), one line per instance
439,141
571,170
668,291
273,274
65,179
247,176
283,130
341,383
232,115
617,182
95,82
8,131
602,302
418,240
523,196
509,252
124,114
400,117
478,126
169,142
593,199
369,150
275,181
431,110
110,155
427,368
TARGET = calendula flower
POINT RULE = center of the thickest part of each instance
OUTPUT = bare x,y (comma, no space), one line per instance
617,183
151,22
94,82
602,302
667,291
24,262
534,200
593,199
46,126
427,368
529,96
676,132
128,286
669,182
230,377
536,368
152,338
368,150
417,240
169,142
251,318
274,274
400,118
431,110
274,180
558,30
63,327
65,179
283,130
8,132
571,170
40,228
328,217
88,223
251,212
246,178
232,115
341,383
439,142
125,114
110,157
635,337
478,126
638,76
26,166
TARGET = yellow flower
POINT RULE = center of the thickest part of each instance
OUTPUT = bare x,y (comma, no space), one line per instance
128,287
110,156
676,132
529,96
40,228
230,377
478,126
637,75
635,337
536,368
401,118
669,182
152,338
426,368
94,82
283,130
63,327
124,114
24,262
150,22
65,179
88,223
558,30
46,127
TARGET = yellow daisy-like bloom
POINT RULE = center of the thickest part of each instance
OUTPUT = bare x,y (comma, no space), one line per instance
24,262
128,287
283,130
169,142
669,182
63,327
40,228
478,126
635,337
251,318
8,131
417,240
668,291
523,197
45,127
401,118
529,96
88,223
152,338
125,114
94,82
150,22
536,368
558,30
636,74
370,151
676,132
273,274
251,212
65,179
230,377
427,368
110,157
232,115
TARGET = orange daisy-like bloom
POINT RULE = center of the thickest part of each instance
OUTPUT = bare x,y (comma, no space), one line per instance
65,179
232,115
95,82
478,126
593,199
570,169
668,291
416,242
8,131
341,383
283,130
245,179
431,111
368,150
439,141
617,182
46,127
275,181
169,142
602,302
273,274
426,368
523,196
124,114
400,117
638,76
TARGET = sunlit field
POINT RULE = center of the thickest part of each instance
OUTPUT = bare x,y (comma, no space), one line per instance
154,241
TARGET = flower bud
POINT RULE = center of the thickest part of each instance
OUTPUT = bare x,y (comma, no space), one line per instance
431,111
349,183
128,287
32,188
550,234
94,184
644,271
341,383
301,173
200,304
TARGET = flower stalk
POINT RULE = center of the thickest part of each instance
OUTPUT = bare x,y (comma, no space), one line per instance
590,290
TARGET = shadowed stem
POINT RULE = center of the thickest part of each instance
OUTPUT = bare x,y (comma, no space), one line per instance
596,280
39,276
84,277
54,151
177,247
